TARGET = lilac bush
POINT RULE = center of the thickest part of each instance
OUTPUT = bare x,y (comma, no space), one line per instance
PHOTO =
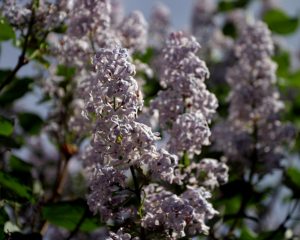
131,129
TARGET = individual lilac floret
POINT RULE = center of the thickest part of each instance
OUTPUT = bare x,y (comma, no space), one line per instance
179,215
133,32
189,133
253,133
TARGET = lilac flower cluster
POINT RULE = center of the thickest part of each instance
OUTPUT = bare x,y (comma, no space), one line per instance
203,25
185,107
184,214
159,25
119,141
46,15
186,104
120,144
92,25
253,131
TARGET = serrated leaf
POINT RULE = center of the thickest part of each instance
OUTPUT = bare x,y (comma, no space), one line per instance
30,122
67,215
6,32
7,182
279,22
6,126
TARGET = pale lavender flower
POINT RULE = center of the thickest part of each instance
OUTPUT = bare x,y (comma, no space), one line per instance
46,16
159,25
120,235
162,167
180,215
119,142
117,13
189,133
209,173
203,24
183,78
108,192
253,132
133,31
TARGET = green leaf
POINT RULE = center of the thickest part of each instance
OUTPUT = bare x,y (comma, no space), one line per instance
247,234
6,126
3,219
19,165
283,63
8,183
146,56
9,142
23,236
3,74
279,22
17,89
292,180
68,214
30,122
293,80
186,159
64,71
7,31
229,5
229,30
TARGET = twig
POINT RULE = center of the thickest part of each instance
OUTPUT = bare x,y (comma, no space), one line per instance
281,226
138,195
22,59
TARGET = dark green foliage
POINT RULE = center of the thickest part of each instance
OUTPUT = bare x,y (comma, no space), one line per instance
10,187
6,126
292,180
229,30
279,22
17,89
7,31
30,122
228,5
68,214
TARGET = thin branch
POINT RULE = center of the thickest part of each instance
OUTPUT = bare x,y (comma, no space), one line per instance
138,195
282,225
22,58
